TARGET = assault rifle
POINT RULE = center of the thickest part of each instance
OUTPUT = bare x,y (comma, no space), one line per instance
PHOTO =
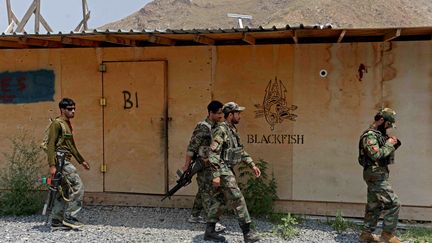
398,144
55,185
185,178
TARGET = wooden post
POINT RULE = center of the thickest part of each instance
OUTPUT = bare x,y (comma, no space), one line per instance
85,9
9,11
82,26
37,16
33,9
26,17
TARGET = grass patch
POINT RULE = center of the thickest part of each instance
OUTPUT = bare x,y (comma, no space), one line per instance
276,218
417,234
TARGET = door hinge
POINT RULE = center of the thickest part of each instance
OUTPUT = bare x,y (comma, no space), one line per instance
103,168
102,67
102,101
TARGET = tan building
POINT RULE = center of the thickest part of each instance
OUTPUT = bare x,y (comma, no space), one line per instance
308,93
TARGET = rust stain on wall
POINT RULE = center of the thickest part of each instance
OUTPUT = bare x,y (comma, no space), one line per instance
389,72
361,70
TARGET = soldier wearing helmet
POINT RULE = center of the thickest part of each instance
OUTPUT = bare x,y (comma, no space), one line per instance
376,152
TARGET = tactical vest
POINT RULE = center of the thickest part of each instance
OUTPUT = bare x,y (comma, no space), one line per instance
232,150
364,159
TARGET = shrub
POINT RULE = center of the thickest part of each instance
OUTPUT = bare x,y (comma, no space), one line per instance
259,193
22,194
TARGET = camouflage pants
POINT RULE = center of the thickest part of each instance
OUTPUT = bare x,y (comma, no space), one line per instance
380,198
73,189
234,198
202,198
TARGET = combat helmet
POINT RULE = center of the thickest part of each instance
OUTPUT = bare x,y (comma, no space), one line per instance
388,115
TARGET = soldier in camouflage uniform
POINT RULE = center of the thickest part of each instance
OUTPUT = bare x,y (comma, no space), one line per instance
60,138
225,152
198,150
376,152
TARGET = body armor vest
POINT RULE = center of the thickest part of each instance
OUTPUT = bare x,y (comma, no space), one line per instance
233,150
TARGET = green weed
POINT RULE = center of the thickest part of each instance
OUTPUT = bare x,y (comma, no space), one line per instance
287,228
418,234
21,194
340,224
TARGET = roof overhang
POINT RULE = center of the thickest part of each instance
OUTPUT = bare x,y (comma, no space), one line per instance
196,37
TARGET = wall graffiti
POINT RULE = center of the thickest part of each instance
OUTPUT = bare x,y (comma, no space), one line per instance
27,87
274,107
128,102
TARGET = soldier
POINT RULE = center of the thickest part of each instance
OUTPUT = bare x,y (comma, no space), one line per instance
376,152
225,152
198,150
60,138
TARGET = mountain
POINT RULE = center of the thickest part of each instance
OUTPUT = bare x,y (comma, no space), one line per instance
212,14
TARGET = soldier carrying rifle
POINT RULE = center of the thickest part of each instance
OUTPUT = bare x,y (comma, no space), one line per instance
198,151
60,148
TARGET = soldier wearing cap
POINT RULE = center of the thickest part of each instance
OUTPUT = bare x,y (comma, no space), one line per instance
376,152
226,151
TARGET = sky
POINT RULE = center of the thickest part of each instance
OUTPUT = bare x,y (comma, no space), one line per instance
65,15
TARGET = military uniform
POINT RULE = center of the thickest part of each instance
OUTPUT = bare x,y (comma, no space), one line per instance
60,138
226,139
199,150
375,155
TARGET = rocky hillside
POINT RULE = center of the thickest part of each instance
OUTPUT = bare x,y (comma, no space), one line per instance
190,14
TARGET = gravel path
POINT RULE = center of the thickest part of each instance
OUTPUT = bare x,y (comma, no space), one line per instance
140,224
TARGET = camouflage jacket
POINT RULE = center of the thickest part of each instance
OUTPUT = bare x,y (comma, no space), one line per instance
200,141
374,148
68,143
223,136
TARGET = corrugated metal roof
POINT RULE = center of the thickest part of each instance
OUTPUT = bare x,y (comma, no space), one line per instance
235,36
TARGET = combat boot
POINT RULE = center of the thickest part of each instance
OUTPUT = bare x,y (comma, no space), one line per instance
367,236
211,235
249,235
389,237
219,228
56,223
72,223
